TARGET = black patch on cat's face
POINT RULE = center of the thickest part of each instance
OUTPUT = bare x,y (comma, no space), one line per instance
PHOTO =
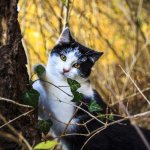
86,58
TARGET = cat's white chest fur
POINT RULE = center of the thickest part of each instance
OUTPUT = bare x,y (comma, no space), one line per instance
60,102
56,103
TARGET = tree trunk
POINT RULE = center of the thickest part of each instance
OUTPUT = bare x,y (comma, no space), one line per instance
13,80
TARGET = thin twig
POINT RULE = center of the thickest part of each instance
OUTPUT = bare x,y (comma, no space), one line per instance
16,103
135,85
10,121
56,87
130,96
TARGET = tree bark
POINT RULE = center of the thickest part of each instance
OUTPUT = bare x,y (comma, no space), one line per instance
13,77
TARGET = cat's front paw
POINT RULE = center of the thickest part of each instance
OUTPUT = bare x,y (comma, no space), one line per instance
39,69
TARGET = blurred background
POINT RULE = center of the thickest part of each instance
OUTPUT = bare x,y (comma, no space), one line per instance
119,28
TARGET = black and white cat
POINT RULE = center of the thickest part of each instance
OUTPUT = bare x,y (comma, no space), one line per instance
70,59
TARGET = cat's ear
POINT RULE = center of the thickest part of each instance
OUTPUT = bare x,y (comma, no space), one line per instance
94,56
65,37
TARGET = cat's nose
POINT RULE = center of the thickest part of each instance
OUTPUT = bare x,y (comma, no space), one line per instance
65,70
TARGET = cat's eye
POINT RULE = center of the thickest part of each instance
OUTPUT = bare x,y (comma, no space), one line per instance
76,65
63,57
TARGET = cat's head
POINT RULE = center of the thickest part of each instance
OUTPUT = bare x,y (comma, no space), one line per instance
70,59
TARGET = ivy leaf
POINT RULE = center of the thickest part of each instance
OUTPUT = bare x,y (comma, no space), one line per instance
94,107
111,117
39,69
45,145
74,85
31,97
44,125
77,96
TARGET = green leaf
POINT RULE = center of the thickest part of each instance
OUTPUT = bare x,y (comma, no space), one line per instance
45,125
46,145
111,117
77,96
39,69
94,107
64,2
74,85
31,97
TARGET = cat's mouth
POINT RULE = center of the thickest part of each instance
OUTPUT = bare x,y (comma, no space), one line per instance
66,75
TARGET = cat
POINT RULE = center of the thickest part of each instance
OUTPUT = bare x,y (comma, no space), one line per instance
70,59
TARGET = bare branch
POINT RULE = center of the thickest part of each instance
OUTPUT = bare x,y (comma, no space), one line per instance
135,85
16,103
18,117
